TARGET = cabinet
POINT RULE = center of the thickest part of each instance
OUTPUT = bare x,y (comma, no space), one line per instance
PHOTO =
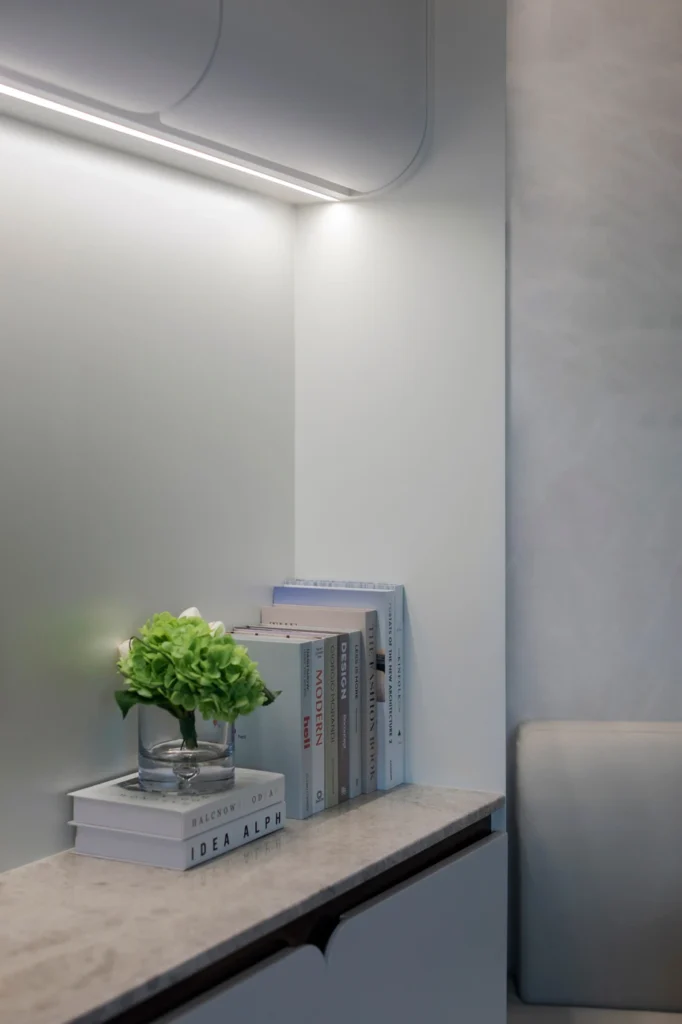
287,987
434,949
431,949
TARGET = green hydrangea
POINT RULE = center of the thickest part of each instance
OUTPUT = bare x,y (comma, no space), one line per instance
182,666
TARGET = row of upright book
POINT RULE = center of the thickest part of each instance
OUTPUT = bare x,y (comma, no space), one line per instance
335,651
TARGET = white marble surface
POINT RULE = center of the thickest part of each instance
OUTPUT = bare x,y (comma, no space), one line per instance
84,939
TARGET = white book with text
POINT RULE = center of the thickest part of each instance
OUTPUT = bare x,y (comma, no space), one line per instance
178,854
121,804
279,737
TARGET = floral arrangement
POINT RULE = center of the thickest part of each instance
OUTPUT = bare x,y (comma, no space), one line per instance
184,665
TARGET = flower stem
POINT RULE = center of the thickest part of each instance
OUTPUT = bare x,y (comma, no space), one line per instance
188,730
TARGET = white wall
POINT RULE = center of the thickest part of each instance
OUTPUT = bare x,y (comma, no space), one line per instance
146,441
147,425
400,422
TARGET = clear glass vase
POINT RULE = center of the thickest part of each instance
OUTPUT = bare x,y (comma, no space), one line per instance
189,756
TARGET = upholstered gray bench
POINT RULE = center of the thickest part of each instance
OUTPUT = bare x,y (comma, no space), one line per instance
599,818
521,1013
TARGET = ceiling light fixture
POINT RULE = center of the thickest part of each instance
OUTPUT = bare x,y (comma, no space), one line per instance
176,147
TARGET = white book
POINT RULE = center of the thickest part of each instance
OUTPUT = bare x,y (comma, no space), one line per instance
179,854
388,599
278,738
121,804
318,689
351,620
318,725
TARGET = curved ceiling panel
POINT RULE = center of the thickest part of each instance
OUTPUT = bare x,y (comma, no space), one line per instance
335,89
141,56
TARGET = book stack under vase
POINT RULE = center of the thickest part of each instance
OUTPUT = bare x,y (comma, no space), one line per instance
335,651
118,821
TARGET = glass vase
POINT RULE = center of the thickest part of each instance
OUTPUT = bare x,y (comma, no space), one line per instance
188,755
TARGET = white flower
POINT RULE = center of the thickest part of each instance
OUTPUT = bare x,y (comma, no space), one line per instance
123,649
217,628
190,613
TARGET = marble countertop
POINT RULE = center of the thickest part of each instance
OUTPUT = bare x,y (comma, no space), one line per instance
84,939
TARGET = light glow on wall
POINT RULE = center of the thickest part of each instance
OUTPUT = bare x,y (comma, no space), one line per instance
176,147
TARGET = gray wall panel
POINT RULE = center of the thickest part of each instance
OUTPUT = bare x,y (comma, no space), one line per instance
595,570
595,307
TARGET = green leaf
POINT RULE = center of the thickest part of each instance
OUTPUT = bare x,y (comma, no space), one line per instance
127,699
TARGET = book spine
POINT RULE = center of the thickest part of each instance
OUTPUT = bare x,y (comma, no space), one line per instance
238,833
369,706
399,686
355,732
385,713
144,816
379,588
179,854
307,691
390,759
344,717
257,799
331,764
318,727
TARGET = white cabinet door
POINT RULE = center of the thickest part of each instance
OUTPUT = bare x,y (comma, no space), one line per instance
432,951
288,987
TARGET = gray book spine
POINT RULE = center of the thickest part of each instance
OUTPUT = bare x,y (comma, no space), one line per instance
400,680
355,719
331,723
369,707
307,690
344,717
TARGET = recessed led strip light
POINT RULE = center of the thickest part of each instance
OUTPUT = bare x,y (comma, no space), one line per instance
176,147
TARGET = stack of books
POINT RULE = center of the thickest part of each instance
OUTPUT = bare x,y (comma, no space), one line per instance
119,821
335,650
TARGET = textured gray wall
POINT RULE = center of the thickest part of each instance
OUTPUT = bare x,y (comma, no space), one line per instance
595,336
595,443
